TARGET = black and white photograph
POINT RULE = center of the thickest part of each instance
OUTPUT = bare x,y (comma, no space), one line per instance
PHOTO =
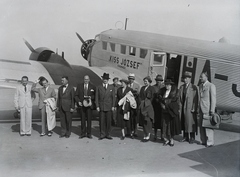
127,88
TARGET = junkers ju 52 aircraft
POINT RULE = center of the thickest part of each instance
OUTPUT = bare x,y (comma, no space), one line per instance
120,52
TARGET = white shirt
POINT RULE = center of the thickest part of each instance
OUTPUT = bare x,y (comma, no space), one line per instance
167,93
86,86
64,88
105,85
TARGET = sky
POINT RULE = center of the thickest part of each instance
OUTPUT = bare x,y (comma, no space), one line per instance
53,23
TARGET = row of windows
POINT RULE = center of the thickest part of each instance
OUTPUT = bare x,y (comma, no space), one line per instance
123,49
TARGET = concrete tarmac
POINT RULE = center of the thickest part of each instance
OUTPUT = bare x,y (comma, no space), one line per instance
37,156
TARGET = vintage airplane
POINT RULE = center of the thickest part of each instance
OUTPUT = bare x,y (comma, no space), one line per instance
120,52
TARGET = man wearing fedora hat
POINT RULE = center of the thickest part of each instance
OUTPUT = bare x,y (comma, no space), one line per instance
105,103
134,113
116,85
207,93
85,93
188,108
156,105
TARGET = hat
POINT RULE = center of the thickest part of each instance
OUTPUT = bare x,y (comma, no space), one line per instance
215,119
159,78
148,78
115,78
187,74
105,76
125,81
131,76
87,102
168,81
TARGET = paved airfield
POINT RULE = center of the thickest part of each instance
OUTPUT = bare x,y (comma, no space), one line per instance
53,156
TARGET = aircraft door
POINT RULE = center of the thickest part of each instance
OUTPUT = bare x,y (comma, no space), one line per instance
157,64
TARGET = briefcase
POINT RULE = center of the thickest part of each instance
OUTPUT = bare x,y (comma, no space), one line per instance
208,121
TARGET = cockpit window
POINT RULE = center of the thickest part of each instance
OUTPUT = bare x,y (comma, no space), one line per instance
104,45
143,53
132,50
112,47
123,49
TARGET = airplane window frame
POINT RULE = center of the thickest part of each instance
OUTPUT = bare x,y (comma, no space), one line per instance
104,45
113,47
132,51
159,63
123,49
143,55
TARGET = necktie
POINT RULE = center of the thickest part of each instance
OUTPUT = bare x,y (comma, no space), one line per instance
25,88
85,89
105,86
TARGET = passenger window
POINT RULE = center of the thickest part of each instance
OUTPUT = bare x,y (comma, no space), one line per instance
112,47
158,59
132,50
143,53
104,45
123,49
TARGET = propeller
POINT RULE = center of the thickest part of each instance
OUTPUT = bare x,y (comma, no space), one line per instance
86,46
29,46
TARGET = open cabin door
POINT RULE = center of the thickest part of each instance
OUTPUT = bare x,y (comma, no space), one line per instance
157,64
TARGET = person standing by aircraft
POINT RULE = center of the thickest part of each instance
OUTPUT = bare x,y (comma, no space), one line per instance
23,104
207,93
134,113
44,93
156,106
146,108
169,100
188,108
105,103
65,104
116,86
85,98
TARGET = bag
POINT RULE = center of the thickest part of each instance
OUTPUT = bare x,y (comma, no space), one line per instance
208,123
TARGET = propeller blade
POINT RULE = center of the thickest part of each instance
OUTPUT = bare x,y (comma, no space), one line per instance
29,46
79,37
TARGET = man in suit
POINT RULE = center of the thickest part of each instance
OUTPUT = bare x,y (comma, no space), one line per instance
65,105
116,85
44,93
134,113
207,92
105,103
23,104
85,93
188,108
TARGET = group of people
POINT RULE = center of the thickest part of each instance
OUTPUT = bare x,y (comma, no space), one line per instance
161,106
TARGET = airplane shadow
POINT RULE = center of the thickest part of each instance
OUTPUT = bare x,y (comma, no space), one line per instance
229,127
15,128
221,160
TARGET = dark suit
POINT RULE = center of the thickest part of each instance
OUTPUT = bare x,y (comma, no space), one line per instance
105,100
86,112
65,102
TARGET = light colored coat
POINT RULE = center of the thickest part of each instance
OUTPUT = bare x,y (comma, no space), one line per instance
22,98
51,114
43,95
190,104
207,97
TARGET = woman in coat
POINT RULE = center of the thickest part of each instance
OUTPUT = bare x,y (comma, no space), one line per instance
147,112
121,121
170,112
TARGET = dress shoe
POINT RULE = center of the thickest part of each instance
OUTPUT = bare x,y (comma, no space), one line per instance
199,143
135,135
82,136
50,133
165,143
155,138
122,138
127,135
28,134
42,134
89,136
171,143
208,146
184,140
191,141
100,138
132,136
109,137
61,136
67,136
